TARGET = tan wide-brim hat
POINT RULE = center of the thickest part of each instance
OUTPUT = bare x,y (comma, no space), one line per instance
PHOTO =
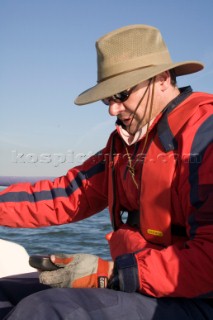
128,56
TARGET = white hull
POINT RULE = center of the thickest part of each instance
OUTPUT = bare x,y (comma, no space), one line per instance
14,259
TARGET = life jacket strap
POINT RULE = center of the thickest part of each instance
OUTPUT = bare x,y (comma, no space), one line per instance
133,220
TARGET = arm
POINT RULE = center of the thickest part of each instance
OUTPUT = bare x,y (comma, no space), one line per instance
75,196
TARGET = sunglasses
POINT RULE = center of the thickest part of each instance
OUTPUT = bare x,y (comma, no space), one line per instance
119,97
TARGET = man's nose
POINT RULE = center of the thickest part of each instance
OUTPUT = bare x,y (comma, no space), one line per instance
115,108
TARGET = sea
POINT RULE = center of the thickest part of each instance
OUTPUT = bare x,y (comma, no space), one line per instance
86,236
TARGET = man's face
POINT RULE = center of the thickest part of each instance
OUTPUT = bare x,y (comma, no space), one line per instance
134,112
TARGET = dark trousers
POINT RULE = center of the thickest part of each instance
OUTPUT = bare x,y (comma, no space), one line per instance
96,304
15,288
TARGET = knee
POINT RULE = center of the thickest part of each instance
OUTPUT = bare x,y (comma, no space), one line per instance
47,304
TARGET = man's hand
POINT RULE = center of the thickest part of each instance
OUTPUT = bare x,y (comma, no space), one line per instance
78,271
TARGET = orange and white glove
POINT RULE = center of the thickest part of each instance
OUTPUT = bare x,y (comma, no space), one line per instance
78,271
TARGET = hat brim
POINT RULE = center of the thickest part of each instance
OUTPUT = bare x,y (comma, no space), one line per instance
127,80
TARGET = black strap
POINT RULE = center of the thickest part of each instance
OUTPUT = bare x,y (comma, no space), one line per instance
179,231
133,220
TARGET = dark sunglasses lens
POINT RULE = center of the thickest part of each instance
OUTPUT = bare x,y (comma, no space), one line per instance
118,97
106,101
122,96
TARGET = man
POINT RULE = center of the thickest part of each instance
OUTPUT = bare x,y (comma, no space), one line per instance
157,167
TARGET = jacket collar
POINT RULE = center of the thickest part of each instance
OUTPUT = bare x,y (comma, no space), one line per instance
165,134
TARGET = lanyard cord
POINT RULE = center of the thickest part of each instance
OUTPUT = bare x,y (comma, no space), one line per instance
131,166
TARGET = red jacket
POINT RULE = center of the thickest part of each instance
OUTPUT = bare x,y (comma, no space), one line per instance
171,254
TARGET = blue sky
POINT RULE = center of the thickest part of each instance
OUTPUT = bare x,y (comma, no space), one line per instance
47,57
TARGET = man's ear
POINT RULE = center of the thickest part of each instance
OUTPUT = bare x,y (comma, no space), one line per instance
164,80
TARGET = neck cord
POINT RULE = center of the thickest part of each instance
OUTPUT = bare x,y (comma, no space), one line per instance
131,166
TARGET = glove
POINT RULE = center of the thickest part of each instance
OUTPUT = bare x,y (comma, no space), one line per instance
78,271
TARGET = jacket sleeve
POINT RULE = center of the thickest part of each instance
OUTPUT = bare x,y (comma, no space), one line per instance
183,269
79,194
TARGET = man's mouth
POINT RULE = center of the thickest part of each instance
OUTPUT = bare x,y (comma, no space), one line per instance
126,120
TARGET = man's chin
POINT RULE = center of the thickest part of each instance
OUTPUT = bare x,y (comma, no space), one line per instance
131,131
